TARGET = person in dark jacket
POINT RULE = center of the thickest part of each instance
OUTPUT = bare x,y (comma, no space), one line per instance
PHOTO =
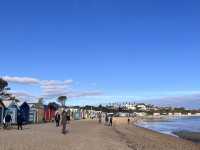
68,116
64,121
57,119
128,120
100,117
110,121
106,120
8,120
19,121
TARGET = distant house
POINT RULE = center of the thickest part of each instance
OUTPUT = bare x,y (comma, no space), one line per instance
197,114
170,114
122,114
36,113
177,114
85,114
12,108
77,115
155,108
156,114
40,113
141,106
130,106
33,115
24,110
49,111
140,114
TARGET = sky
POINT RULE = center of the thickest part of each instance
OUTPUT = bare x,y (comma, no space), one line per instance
100,51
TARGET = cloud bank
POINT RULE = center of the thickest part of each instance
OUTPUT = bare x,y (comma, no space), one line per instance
50,89
188,101
21,80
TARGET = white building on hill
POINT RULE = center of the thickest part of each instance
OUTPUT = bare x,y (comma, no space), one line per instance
141,106
130,106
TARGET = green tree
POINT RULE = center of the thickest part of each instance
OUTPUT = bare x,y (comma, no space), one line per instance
3,85
62,100
41,101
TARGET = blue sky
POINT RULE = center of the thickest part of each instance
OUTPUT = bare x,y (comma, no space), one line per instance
142,49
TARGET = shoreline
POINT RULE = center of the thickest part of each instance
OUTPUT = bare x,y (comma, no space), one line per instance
183,134
152,140
188,135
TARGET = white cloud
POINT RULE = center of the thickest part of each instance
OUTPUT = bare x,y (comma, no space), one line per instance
29,80
56,82
24,96
54,93
55,88
85,93
21,80
68,81
49,88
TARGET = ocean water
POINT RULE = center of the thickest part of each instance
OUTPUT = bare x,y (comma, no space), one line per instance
173,124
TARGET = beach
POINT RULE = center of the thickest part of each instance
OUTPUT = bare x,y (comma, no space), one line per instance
89,135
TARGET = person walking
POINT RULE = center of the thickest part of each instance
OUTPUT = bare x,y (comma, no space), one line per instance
106,120
99,116
110,121
8,120
128,120
4,122
68,116
57,119
64,121
19,121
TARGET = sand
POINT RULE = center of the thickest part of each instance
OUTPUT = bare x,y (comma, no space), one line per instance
89,135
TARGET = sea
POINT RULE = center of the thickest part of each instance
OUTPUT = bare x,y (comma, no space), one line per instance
173,124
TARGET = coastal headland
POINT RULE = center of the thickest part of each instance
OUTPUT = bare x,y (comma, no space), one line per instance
90,135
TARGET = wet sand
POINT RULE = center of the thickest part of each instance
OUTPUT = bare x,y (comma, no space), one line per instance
188,135
89,135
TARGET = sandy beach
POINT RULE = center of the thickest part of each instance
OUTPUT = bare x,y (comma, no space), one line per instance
89,135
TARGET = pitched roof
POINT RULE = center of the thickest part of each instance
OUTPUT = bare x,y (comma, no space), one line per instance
36,105
7,103
24,104
141,104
